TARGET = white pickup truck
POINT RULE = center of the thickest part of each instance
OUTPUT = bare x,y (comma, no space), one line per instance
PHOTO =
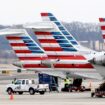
26,85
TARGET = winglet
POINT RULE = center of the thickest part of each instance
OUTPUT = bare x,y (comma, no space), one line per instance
8,31
48,17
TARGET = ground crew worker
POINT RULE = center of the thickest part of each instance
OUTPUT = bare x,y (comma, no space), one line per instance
66,82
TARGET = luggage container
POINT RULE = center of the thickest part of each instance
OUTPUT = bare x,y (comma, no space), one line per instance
48,79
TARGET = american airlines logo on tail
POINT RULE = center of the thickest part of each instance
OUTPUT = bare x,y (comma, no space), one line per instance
62,29
32,56
56,53
27,50
57,46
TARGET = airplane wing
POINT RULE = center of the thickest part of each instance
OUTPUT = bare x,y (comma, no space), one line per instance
40,25
84,75
88,75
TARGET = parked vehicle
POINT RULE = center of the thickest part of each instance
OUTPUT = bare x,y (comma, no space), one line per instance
99,92
76,86
26,85
71,88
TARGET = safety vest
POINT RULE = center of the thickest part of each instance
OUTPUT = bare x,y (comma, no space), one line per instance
67,81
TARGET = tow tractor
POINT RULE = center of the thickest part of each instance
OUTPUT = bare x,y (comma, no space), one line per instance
26,85
76,86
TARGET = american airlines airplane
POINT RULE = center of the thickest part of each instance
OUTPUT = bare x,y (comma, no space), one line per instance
91,55
60,33
56,56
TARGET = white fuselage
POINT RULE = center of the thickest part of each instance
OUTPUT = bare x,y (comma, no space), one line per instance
95,57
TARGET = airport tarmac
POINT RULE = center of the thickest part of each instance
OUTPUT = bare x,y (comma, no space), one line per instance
52,98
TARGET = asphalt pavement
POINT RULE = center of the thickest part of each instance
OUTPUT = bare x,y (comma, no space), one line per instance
52,98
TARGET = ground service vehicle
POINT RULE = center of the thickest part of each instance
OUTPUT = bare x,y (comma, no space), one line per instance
99,92
26,85
72,88
76,86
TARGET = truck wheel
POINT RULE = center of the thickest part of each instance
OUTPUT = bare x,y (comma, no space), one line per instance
42,92
20,93
10,91
83,88
31,91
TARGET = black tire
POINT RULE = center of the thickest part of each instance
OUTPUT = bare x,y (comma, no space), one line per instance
92,94
42,92
84,88
20,93
70,90
10,91
100,96
31,91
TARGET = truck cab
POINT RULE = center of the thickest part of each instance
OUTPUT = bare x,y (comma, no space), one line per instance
100,91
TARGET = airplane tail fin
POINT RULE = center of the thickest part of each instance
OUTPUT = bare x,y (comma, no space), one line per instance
60,30
50,17
102,25
74,43
26,49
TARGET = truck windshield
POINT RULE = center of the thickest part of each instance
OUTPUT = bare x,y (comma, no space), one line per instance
18,82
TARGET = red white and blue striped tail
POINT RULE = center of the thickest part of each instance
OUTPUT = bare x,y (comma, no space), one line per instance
102,25
50,17
57,46
29,53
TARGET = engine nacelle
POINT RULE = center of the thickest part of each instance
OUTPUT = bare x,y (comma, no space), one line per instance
100,60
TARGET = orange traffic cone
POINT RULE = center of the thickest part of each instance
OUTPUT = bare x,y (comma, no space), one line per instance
11,96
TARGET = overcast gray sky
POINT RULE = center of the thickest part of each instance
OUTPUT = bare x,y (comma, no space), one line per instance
26,11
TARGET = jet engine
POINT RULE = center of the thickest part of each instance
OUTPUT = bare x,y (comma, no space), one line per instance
100,60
